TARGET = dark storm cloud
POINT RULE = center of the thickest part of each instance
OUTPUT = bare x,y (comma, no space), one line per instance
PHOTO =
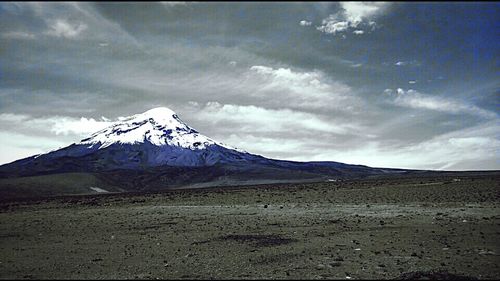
384,84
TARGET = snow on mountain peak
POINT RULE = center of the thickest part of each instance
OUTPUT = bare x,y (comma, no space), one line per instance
159,114
159,126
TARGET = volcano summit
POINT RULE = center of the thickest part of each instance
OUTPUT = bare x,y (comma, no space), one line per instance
159,126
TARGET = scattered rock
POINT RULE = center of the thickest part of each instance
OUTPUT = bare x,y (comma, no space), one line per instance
486,252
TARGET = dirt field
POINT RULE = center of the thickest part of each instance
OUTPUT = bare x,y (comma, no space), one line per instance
376,229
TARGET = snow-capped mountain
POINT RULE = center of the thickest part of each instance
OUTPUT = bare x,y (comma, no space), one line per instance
157,137
159,126
156,150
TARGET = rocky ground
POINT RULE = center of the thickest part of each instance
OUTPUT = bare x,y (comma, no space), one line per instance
366,229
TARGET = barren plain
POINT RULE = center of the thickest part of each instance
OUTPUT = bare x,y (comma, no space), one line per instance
361,229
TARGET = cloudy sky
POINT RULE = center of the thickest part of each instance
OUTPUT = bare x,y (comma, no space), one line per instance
408,85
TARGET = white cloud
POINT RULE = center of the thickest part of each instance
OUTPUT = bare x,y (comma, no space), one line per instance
304,89
22,135
266,145
275,133
466,149
82,126
333,25
63,28
253,119
356,12
17,146
353,15
414,99
58,125
305,23
271,133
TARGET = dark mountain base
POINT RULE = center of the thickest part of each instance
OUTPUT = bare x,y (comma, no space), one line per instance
168,178
147,180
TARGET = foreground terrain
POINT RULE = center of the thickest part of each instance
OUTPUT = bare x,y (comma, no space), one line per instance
373,228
